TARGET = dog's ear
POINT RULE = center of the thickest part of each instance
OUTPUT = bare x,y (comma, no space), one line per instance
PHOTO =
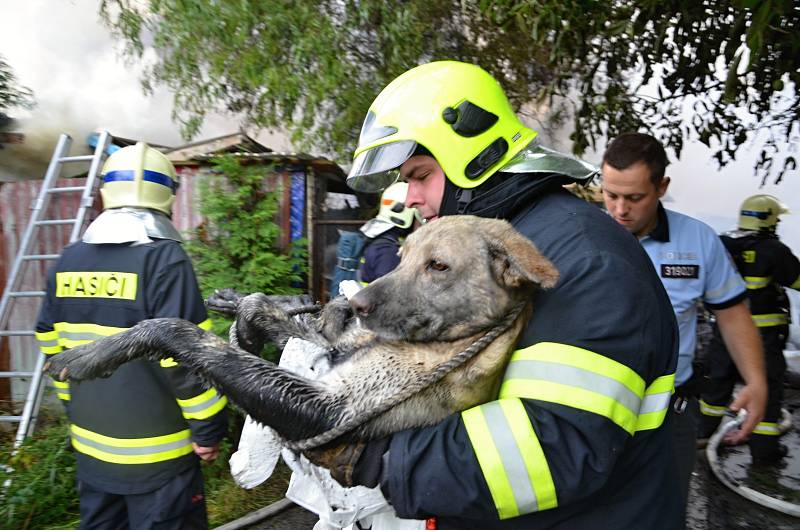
515,260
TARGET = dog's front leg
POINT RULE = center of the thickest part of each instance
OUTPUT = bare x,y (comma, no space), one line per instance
259,320
295,407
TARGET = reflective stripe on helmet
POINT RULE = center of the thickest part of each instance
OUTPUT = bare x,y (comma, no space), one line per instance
147,175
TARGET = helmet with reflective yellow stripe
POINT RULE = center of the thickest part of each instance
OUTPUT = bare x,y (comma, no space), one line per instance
139,176
457,111
760,212
393,208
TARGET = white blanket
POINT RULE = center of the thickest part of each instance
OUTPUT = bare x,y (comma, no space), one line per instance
311,486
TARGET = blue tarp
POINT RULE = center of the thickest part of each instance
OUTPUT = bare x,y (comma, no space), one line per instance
297,208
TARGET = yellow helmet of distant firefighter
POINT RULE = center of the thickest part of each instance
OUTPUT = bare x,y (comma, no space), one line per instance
456,111
760,212
393,208
141,177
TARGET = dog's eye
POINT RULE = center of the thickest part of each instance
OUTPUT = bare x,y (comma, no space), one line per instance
437,266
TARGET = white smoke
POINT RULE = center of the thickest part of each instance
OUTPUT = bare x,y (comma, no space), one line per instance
82,85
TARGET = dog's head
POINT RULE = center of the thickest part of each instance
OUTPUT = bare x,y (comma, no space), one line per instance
458,276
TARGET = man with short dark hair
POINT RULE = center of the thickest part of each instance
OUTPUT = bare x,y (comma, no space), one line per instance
693,266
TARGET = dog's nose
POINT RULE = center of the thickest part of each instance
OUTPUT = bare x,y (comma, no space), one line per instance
361,305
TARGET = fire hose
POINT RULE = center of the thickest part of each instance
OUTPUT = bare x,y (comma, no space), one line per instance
712,455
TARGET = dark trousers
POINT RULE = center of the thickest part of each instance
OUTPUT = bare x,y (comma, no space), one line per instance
684,443
723,375
179,504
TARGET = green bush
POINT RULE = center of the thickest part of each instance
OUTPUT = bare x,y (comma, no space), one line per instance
236,246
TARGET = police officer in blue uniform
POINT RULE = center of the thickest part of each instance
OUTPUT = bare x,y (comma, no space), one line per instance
693,266
139,434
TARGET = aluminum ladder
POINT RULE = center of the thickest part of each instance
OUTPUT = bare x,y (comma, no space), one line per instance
27,420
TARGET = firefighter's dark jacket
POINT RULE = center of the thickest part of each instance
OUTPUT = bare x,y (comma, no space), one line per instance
381,255
559,449
132,431
767,266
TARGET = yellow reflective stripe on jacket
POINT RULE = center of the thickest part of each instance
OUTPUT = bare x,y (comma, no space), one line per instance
578,378
771,319
62,390
655,404
131,450
48,342
767,429
757,282
203,406
71,335
707,409
511,458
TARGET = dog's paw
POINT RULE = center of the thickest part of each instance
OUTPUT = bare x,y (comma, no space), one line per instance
224,301
336,316
72,364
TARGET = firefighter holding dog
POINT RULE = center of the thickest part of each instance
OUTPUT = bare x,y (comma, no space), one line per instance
139,434
578,437
767,266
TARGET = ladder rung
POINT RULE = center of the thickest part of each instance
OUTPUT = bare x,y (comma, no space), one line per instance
31,257
9,375
79,158
17,333
66,189
11,418
26,294
48,222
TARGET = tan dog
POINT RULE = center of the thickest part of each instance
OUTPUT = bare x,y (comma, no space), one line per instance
460,278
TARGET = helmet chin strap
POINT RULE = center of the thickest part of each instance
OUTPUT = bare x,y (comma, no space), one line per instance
451,199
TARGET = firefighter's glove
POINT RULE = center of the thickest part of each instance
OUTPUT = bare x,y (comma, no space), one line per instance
352,464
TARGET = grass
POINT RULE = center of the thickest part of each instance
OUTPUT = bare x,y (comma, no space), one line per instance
42,492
